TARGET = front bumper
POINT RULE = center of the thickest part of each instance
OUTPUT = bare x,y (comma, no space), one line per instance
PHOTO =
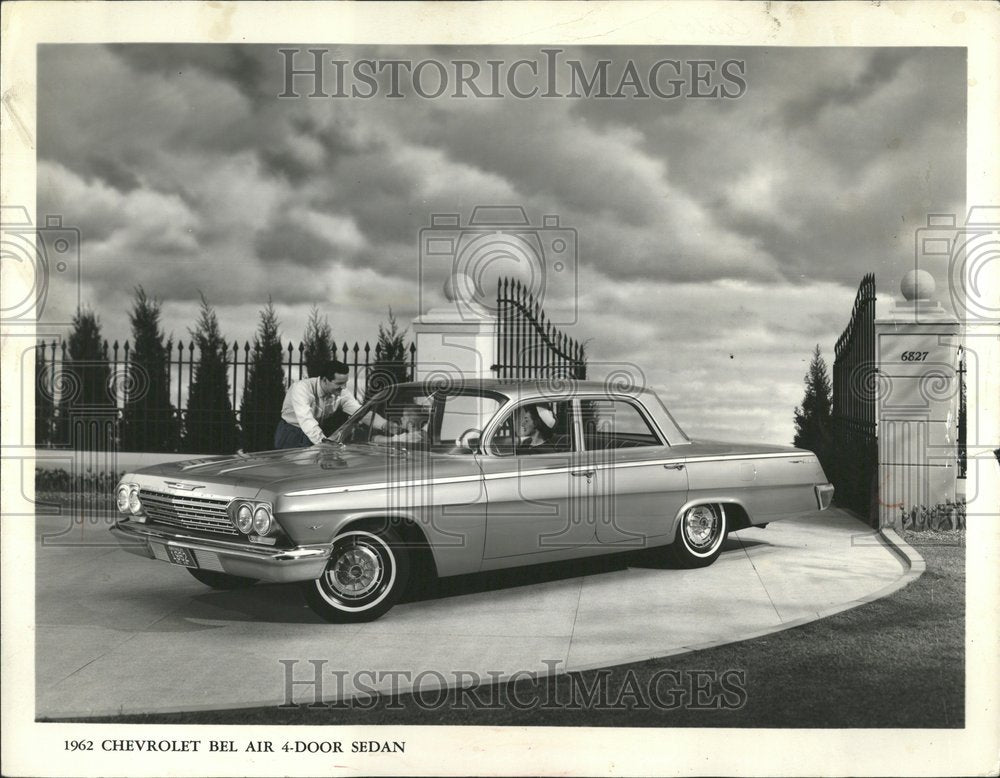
302,563
824,495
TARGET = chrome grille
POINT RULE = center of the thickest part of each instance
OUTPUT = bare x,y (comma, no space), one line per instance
206,514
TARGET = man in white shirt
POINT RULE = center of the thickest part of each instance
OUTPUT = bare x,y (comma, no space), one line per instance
311,400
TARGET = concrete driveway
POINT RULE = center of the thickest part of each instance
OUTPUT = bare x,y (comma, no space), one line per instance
120,634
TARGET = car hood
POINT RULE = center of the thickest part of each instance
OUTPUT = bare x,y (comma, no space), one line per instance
720,448
326,462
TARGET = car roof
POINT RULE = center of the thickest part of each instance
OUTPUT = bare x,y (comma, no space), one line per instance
516,389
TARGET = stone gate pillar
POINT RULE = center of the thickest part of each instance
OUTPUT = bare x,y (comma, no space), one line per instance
457,340
917,353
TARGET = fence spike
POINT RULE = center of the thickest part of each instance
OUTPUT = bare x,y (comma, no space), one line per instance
290,349
302,347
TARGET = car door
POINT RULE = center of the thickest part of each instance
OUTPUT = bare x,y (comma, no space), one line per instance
639,483
537,503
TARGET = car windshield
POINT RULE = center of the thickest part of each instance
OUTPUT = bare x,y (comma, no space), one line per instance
419,417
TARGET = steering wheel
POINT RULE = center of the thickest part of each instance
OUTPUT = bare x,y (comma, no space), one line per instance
465,439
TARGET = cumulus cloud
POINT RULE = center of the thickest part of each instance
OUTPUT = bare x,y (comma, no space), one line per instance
719,240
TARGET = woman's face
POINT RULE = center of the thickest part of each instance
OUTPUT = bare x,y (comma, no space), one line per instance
526,425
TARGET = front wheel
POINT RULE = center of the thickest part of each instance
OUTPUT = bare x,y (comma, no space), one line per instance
700,534
364,578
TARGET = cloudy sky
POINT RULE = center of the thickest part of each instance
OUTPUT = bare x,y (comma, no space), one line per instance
719,239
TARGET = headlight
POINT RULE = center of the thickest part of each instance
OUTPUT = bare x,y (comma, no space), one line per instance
262,520
134,505
121,498
244,519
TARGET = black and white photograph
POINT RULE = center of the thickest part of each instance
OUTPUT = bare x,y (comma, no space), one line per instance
500,388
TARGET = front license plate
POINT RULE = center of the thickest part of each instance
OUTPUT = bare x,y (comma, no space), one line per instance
181,556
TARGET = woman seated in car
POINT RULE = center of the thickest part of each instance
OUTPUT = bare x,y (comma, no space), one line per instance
536,425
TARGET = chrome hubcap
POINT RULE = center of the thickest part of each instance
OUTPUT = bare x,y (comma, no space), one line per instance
701,527
356,572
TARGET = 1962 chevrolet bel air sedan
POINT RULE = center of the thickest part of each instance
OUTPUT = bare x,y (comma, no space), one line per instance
469,477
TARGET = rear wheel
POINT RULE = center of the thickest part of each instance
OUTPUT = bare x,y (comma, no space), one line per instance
364,578
700,534
221,580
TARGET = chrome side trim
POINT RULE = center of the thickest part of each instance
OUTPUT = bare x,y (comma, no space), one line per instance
523,473
458,479
727,457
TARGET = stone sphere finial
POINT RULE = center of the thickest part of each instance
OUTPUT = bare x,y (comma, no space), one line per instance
917,285
460,288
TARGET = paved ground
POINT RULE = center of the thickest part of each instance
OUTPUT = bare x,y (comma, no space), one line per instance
120,634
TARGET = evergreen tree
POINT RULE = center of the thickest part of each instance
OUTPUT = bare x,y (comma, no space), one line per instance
264,391
210,424
150,423
390,366
813,421
318,345
44,406
86,388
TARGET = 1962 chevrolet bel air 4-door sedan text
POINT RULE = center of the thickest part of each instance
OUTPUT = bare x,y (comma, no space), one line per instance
475,476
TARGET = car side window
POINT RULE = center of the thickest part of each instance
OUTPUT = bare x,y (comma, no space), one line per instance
615,424
460,420
535,428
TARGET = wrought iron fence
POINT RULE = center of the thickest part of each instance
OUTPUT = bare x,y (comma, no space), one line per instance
854,458
528,345
59,413
963,418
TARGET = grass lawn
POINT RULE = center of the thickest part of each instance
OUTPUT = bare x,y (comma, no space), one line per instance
896,662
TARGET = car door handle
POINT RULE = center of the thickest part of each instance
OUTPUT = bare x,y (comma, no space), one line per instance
582,473
673,467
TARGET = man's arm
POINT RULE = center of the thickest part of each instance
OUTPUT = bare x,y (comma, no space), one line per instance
351,405
302,405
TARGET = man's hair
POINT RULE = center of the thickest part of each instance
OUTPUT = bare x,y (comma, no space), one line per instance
332,368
